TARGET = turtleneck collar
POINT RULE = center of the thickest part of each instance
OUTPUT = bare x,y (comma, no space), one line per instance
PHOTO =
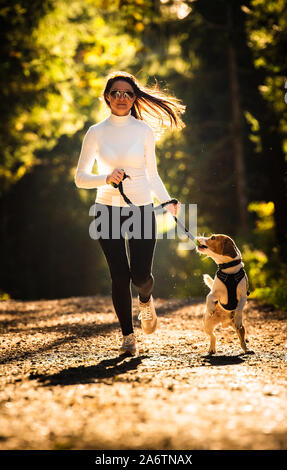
119,120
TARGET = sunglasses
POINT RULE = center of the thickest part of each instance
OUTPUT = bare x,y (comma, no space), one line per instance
122,94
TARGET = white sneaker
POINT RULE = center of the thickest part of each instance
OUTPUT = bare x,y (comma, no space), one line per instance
129,345
147,316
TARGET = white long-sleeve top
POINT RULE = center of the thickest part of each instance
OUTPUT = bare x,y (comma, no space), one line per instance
121,142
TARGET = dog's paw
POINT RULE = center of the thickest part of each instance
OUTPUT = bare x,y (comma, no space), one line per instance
211,351
248,351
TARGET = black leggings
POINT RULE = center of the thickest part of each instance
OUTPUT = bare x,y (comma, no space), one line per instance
138,268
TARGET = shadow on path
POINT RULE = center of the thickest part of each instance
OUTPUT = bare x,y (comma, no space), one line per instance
92,374
70,333
222,360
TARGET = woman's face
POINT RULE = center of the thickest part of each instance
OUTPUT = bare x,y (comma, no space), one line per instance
121,97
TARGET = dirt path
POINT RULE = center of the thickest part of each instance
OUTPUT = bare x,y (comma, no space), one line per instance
63,386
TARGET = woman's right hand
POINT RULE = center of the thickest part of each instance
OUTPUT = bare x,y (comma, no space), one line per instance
116,176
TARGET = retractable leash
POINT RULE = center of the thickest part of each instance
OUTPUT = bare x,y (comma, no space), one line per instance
172,201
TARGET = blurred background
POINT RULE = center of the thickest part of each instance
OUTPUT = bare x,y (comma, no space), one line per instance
226,60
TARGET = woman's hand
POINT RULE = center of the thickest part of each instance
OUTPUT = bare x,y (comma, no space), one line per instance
115,177
173,208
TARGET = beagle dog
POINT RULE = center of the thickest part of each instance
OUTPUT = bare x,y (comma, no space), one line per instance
228,289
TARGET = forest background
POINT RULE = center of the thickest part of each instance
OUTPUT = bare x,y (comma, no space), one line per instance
225,59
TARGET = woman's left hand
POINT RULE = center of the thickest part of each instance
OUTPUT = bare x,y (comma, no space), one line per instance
173,208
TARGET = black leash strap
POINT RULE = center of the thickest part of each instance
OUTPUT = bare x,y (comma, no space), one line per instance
120,188
172,201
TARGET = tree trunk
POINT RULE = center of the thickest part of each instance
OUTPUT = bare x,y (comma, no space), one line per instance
237,131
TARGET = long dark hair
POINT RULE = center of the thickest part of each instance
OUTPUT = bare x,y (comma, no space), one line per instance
151,104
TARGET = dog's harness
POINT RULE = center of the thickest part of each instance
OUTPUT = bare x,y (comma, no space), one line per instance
231,282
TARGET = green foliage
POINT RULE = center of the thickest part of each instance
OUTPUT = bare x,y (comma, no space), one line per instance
54,61
255,261
275,295
266,272
4,295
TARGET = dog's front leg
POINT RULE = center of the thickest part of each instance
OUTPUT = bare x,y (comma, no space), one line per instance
238,312
238,325
209,328
209,325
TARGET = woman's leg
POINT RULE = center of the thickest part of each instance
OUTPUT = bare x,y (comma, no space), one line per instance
141,255
116,256
115,253
141,259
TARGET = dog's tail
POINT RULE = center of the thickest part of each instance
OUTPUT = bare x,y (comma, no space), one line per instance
208,280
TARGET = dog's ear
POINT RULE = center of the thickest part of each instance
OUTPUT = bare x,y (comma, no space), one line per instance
229,248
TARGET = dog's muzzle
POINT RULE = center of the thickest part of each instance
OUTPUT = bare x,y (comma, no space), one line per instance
200,245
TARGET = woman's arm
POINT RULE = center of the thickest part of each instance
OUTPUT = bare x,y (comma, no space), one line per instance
155,181
83,176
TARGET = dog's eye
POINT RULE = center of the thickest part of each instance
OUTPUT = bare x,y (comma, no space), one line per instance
213,237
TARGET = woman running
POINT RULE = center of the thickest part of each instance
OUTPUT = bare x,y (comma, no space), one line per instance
123,146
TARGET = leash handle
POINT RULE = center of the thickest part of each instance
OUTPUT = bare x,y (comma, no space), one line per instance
115,185
175,201
172,201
